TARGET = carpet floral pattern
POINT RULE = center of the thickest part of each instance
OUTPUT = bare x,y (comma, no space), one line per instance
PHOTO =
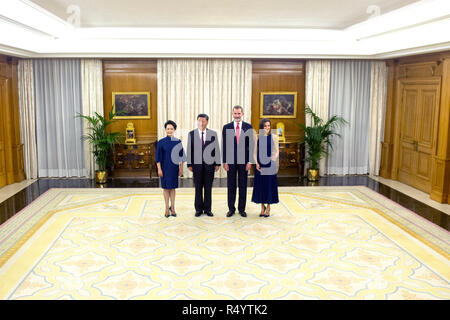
319,243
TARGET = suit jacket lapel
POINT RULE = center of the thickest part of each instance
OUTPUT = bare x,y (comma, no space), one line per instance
197,137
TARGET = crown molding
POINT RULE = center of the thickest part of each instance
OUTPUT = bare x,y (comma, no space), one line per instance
394,34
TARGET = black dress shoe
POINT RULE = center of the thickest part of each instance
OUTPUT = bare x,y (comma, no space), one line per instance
243,214
209,214
230,213
198,213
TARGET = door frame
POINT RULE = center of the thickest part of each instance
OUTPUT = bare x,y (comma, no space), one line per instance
4,103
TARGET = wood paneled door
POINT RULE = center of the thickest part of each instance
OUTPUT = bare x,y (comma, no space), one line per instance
419,112
11,150
3,104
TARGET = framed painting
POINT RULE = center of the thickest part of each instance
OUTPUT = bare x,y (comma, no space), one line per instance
280,104
131,105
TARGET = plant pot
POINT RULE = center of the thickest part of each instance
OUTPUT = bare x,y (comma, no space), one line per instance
101,176
313,175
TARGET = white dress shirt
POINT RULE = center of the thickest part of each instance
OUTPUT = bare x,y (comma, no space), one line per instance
200,135
240,126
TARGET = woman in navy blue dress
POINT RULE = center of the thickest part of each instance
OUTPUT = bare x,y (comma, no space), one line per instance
170,165
265,186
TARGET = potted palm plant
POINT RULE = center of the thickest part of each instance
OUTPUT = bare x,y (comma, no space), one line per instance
101,141
317,140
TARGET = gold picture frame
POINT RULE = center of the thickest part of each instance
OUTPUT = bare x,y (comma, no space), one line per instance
131,105
278,104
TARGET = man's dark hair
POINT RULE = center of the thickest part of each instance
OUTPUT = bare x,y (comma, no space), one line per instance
203,115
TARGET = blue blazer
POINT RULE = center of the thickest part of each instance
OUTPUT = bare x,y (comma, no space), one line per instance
247,139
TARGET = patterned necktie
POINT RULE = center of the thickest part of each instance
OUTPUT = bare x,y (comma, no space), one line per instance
203,141
237,132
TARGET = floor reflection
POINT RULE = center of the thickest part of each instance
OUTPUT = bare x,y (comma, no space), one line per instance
14,204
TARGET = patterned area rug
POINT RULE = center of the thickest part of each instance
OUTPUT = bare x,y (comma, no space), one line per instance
319,243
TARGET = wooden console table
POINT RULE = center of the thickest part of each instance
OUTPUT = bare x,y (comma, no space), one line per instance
292,156
134,160
291,159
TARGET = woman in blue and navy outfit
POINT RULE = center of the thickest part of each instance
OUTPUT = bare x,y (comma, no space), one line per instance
170,165
265,185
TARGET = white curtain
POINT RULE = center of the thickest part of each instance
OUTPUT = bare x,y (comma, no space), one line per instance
92,101
187,87
57,84
350,98
318,94
27,118
378,76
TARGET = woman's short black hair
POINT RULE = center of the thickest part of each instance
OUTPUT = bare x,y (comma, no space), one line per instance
202,115
263,122
174,125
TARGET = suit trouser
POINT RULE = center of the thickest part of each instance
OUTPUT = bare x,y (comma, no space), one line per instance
239,171
203,181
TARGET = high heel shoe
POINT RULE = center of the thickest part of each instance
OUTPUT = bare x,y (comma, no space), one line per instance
173,214
262,214
267,214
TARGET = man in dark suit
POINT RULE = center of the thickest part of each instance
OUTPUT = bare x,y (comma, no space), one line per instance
203,159
237,151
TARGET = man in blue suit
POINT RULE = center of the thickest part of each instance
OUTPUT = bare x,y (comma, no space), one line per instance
237,150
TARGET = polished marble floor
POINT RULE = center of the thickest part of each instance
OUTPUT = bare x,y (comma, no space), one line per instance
14,201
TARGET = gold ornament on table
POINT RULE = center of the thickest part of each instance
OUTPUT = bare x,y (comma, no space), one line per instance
130,138
281,132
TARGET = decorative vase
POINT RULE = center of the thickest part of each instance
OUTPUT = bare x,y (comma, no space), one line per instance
313,174
101,176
